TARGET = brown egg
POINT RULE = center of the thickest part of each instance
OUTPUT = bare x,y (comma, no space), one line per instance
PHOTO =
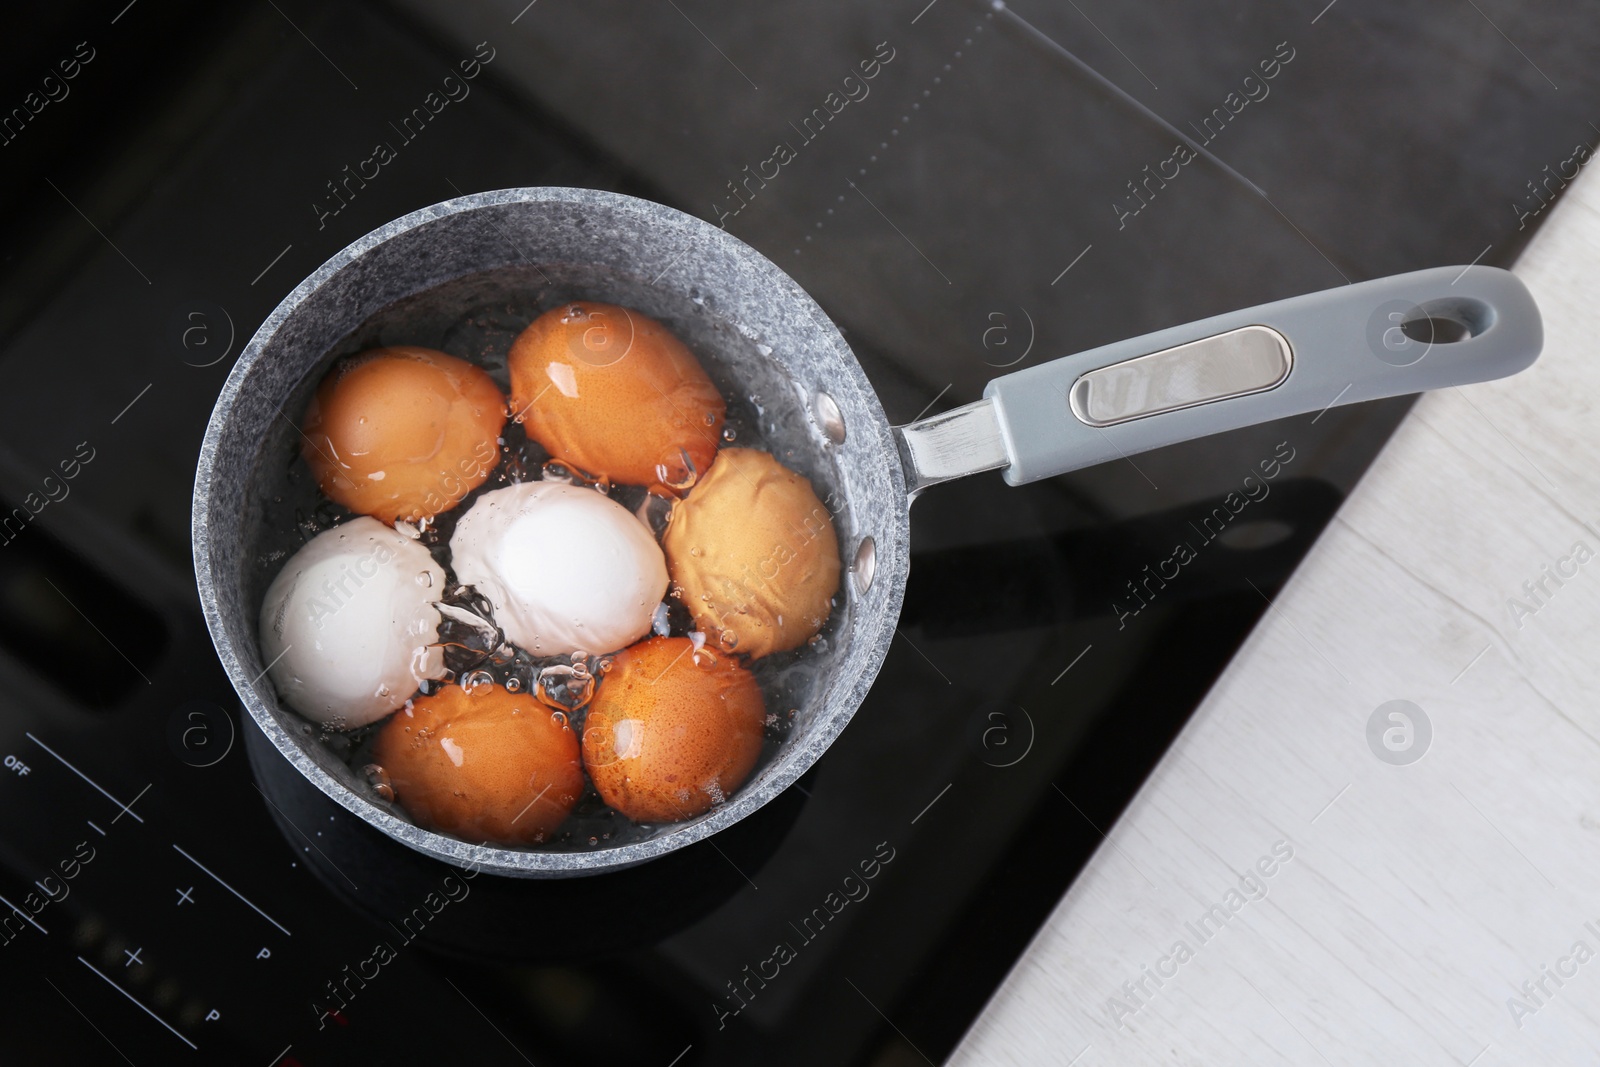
489,765
403,432
672,730
753,554
611,392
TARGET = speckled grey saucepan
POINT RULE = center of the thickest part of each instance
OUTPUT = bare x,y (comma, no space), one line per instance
757,329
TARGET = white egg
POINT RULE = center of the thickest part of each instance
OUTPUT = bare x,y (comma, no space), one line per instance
565,567
349,627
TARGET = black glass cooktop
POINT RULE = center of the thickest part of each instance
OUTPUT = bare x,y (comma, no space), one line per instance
965,188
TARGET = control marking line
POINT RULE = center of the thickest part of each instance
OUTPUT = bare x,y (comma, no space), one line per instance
232,890
131,997
85,777
25,915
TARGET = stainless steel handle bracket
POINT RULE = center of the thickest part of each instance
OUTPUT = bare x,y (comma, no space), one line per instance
1249,360
952,444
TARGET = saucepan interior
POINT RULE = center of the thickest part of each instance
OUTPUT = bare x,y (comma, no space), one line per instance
457,276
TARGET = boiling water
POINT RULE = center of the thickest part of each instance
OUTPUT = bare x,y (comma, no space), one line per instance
476,318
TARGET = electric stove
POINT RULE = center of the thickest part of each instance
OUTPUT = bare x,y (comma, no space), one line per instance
965,188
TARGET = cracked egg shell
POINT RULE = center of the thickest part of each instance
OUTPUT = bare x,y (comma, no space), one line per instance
753,554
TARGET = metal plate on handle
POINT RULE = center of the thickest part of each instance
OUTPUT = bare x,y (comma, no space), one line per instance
1237,363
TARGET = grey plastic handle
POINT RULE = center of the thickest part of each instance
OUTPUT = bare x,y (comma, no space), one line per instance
1341,346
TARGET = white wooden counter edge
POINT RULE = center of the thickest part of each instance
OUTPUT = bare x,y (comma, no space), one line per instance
1441,912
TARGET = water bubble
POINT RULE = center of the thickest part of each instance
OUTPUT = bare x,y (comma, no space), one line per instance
425,579
474,681
659,623
557,472
565,687
513,684
378,779
729,434
677,472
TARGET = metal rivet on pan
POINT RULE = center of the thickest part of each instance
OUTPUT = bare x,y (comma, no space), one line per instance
830,418
865,566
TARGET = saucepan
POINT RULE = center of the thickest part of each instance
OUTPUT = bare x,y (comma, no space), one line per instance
761,336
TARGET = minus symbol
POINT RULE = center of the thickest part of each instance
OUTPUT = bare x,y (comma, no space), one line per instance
97,829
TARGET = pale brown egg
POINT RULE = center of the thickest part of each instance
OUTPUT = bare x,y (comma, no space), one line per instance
672,730
489,765
753,554
613,393
403,432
